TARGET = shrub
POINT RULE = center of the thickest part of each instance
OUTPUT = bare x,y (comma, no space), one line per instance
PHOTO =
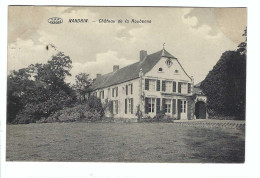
81,112
159,117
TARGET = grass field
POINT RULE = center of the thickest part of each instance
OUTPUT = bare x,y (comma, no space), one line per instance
124,142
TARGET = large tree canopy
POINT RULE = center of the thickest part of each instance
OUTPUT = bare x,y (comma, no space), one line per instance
82,86
225,85
39,90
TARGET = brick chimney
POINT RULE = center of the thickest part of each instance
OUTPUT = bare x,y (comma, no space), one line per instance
115,68
98,76
143,54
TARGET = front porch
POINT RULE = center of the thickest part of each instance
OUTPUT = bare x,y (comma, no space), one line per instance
178,107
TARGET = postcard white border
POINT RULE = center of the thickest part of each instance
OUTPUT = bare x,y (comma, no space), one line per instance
248,169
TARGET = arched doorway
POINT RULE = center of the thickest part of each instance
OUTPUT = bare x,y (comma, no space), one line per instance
200,110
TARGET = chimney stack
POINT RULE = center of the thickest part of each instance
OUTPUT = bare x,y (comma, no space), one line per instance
115,68
143,54
98,76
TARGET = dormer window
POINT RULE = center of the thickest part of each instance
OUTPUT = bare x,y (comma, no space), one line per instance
168,62
160,69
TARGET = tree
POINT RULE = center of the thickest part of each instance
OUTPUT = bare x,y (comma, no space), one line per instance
243,45
19,86
225,85
82,86
39,90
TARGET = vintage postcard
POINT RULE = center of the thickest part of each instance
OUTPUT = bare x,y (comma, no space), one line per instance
126,84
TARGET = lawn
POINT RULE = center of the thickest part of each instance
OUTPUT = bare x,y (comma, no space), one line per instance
124,142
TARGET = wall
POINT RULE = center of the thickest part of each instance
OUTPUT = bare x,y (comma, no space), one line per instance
121,98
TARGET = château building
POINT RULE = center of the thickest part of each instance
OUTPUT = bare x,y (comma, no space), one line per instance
157,82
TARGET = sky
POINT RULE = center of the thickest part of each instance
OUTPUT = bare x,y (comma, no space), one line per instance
196,36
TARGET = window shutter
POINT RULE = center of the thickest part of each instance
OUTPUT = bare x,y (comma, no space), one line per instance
126,89
174,106
158,85
163,85
116,105
131,88
112,107
189,88
163,106
179,109
174,86
146,84
125,106
146,105
158,102
132,104
179,87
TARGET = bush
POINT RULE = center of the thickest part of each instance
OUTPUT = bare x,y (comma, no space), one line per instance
90,111
160,117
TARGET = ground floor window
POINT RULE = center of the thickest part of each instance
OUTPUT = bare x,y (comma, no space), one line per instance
115,107
168,106
151,105
129,102
130,105
183,106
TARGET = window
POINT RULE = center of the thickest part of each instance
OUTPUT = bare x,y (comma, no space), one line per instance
168,106
129,89
151,104
184,88
115,92
115,107
152,85
160,69
101,94
168,62
129,105
183,106
168,86
176,71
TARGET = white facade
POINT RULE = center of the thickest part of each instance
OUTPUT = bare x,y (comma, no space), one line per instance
165,87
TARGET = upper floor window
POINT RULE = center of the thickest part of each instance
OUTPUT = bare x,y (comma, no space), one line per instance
152,85
176,71
168,86
101,94
160,69
115,92
183,88
129,89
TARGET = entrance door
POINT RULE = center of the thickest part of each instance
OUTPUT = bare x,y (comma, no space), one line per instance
200,110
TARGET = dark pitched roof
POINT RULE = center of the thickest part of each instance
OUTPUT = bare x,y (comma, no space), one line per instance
130,72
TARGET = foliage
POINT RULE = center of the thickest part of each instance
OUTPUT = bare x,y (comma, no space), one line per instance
95,105
39,90
89,111
242,46
225,85
19,87
82,86
159,117
139,113
108,105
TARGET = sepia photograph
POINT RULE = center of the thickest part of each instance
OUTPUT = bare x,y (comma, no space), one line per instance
126,84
